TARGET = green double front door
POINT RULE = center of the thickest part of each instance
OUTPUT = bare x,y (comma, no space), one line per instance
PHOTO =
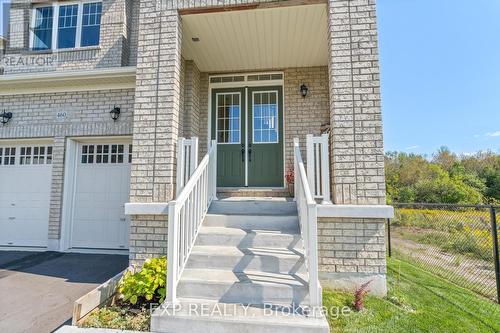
248,126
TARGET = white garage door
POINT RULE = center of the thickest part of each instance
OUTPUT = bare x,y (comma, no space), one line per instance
101,191
25,182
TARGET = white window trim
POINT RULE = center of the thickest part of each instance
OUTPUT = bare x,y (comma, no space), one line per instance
217,118
277,117
55,23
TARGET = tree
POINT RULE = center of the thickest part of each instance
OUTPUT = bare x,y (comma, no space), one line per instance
446,178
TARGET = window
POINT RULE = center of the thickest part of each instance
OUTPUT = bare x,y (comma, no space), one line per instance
42,28
7,156
34,155
87,154
66,33
116,153
104,154
228,118
64,26
91,25
265,117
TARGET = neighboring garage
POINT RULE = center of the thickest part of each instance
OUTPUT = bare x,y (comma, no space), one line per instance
96,188
25,185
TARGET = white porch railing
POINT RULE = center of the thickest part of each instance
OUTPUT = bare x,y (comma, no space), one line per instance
307,211
185,215
318,167
187,161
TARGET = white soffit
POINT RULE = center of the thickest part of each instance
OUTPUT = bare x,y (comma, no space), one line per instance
258,39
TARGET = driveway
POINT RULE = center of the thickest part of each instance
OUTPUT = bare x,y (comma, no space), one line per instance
37,289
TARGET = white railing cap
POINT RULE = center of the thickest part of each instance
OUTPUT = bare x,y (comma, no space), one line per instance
146,208
356,211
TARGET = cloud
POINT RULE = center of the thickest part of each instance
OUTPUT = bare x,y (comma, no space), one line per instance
477,135
493,134
412,147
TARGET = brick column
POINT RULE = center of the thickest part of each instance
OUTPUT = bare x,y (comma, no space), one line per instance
156,124
56,192
192,100
356,141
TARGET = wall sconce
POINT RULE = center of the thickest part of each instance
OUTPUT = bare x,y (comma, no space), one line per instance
303,90
115,113
6,116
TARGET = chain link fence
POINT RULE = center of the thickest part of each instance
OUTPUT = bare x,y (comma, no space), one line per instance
456,242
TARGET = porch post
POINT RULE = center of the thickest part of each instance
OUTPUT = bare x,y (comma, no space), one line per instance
357,168
156,124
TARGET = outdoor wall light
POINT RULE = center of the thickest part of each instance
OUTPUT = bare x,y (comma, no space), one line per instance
303,90
115,113
6,116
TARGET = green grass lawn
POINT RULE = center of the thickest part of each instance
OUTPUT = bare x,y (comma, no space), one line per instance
417,301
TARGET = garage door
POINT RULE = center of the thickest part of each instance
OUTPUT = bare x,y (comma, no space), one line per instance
25,182
101,190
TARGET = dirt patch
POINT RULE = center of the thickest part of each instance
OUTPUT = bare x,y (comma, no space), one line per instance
471,273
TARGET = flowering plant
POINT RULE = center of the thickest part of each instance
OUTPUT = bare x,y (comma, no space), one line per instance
290,177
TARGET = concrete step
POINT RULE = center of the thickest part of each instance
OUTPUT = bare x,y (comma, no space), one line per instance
254,206
271,260
287,223
243,287
250,193
248,238
202,316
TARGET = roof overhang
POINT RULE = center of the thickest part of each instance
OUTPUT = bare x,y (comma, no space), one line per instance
68,81
264,38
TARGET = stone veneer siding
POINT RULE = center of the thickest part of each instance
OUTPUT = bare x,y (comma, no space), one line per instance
351,252
87,115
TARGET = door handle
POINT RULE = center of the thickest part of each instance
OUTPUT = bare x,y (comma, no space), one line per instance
243,153
250,153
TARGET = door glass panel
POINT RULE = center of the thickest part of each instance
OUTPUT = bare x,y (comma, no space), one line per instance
228,118
265,117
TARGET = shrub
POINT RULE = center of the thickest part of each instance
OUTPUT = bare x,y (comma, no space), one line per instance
147,284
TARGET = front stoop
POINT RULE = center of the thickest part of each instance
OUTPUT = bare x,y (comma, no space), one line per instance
205,316
246,273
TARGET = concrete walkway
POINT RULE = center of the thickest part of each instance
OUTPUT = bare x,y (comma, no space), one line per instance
37,289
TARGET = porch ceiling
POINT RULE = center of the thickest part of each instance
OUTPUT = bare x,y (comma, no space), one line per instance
257,39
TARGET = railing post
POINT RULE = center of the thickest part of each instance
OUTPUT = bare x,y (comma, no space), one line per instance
295,169
180,165
325,170
315,289
214,170
193,163
389,237
172,255
310,164
496,255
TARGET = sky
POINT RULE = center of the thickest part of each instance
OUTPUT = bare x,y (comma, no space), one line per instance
440,74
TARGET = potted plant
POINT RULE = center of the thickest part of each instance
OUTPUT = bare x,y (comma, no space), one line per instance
290,181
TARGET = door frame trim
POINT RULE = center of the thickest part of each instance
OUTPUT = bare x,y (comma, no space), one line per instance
68,199
247,84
